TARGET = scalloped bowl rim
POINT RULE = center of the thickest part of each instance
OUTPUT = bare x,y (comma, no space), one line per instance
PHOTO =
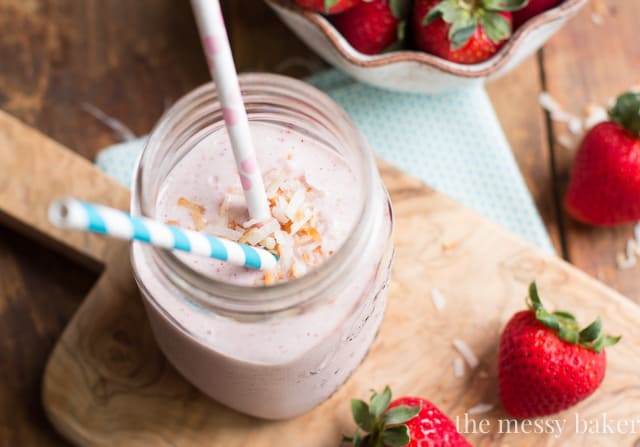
484,69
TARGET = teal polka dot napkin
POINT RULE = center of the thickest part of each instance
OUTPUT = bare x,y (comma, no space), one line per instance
451,141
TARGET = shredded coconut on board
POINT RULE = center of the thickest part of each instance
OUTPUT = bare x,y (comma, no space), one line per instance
466,352
481,408
438,299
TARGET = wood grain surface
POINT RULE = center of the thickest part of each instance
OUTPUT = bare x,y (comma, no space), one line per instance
107,384
131,58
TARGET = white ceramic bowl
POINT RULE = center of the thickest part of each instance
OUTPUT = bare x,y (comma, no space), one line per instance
416,71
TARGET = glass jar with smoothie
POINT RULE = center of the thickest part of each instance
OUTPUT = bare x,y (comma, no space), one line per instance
270,344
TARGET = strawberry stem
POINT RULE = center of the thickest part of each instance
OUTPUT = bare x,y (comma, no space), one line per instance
566,326
382,427
626,112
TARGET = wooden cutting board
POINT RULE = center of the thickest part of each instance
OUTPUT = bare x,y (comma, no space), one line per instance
106,383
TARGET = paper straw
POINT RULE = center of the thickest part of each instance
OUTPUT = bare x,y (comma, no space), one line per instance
71,213
220,60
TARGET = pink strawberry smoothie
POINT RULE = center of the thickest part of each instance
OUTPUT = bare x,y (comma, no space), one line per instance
284,365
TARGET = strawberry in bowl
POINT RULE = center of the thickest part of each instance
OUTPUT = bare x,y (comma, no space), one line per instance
375,41
373,26
463,31
328,6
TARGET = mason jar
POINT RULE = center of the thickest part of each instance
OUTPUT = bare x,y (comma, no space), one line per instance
271,351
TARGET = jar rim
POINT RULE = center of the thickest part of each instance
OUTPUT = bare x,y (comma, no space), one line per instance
284,295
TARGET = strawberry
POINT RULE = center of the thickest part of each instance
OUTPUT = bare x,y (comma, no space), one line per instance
373,26
534,8
546,364
328,6
407,421
463,31
604,188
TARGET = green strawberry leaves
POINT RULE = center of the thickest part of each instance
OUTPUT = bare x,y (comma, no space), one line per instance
465,16
379,402
362,415
626,112
497,27
396,436
504,5
400,8
383,427
566,326
328,4
448,10
400,414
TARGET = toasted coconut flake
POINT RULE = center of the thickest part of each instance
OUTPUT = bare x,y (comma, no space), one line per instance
466,353
448,246
294,233
269,278
175,223
269,243
302,221
225,232
255,235
295,203
481,408
458,367
438,299
251,222
279,214
196,211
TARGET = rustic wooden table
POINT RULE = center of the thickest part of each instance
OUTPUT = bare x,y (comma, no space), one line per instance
131,58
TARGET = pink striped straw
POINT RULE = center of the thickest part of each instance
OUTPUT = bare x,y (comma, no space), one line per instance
218,51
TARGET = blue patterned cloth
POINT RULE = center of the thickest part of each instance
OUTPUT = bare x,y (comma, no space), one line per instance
451,141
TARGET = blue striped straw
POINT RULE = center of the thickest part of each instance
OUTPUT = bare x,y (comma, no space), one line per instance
71,213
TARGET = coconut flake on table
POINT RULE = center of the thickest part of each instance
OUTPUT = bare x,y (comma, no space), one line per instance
458,367
595,115
481,408
438,299
466,353
554,108
628,259
597,19
566,141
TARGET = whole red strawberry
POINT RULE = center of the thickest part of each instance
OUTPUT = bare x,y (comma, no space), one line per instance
604,188
373,26
328,6
407,421
534,8
463,31
546,364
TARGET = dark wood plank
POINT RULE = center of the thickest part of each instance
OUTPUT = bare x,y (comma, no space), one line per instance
262,43
588,63
128,59
525,128
39,292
